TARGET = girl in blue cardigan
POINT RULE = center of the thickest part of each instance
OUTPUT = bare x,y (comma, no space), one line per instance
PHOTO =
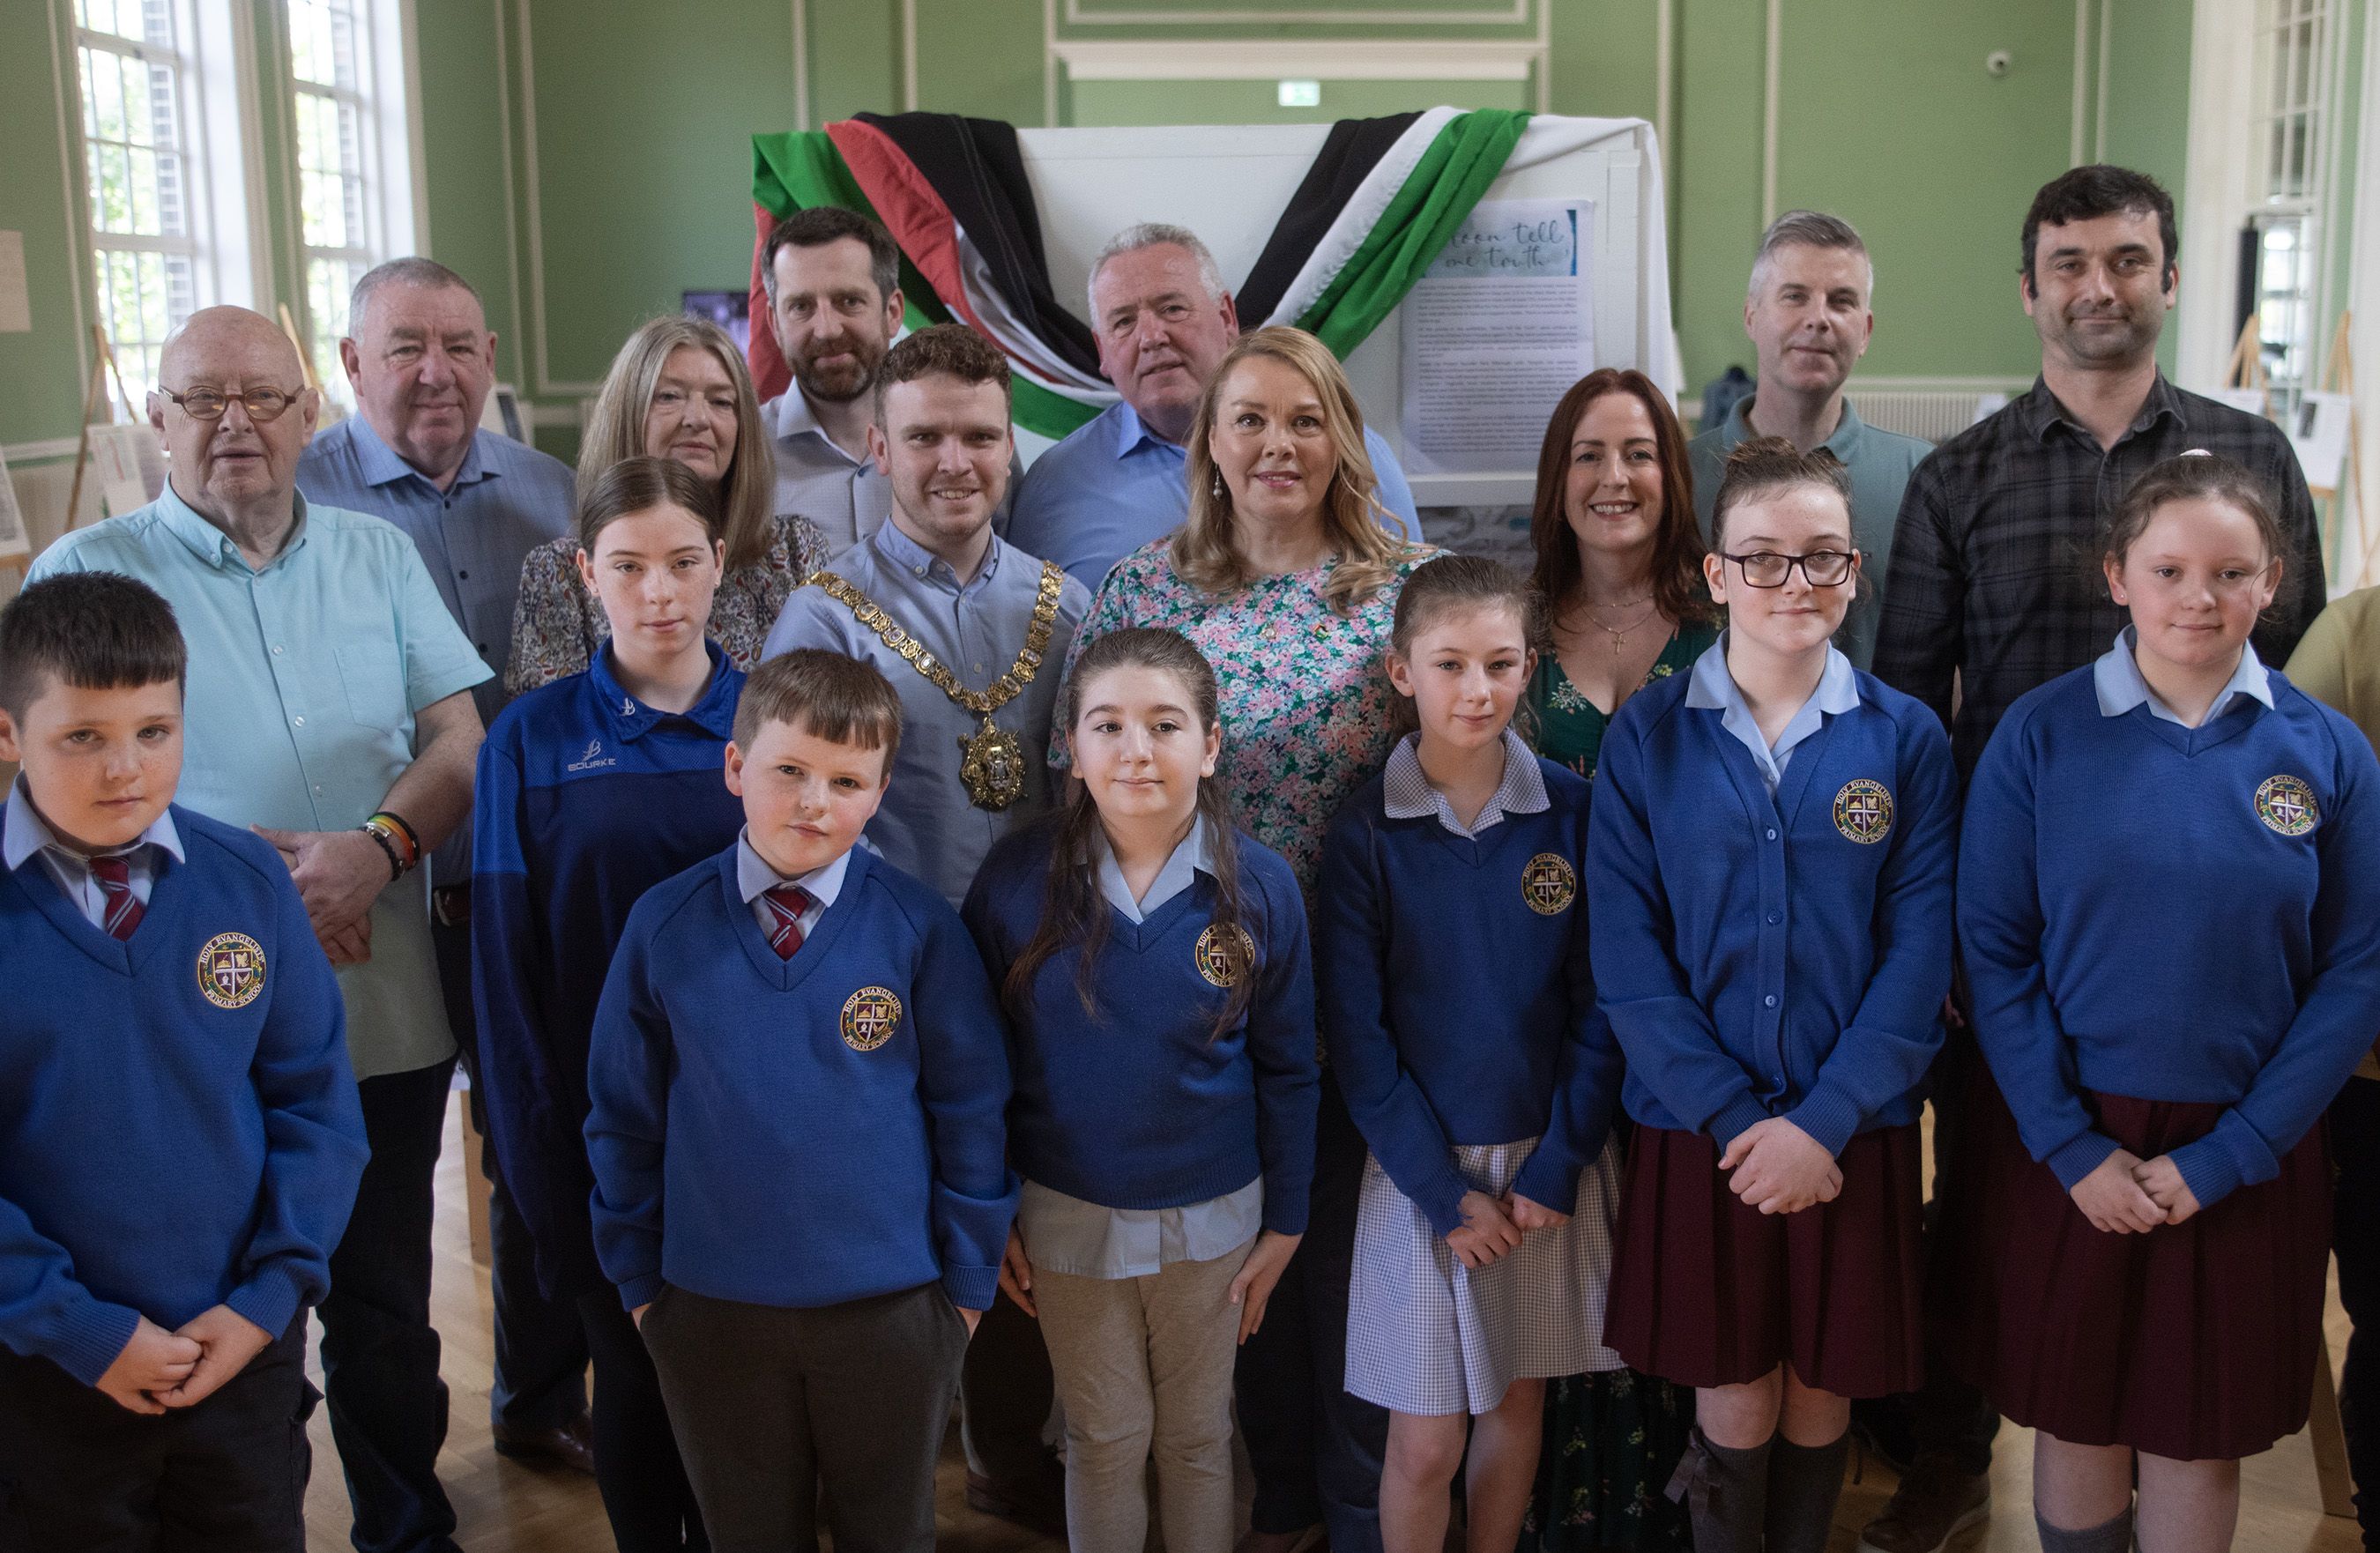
1770,854
1450,953
1155,968
593,790
2169,904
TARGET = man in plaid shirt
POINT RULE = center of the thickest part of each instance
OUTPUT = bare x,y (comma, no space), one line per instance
1995,587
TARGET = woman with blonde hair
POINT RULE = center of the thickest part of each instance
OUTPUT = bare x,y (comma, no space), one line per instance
1285,577
679,390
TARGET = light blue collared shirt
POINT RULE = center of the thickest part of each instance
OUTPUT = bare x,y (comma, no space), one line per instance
1713,688
2116,676
1407,794
927,827
755,878
845,496
304,680
1191,856
28,834
505,500
1112,486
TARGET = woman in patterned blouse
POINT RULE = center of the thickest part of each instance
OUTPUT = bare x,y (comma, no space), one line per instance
1285,578
678,389
1620,566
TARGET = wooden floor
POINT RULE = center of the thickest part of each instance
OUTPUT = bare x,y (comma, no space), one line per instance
506,1508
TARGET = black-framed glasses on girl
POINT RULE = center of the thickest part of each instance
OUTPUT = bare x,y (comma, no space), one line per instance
1820,568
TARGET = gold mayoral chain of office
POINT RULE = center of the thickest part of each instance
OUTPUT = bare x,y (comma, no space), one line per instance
991,762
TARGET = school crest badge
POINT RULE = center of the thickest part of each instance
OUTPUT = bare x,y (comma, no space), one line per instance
231,970
1863,811
1548,883
1217,958
2286,806
869,1017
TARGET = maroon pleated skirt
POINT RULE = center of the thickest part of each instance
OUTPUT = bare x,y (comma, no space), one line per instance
1709,1290
2194,1342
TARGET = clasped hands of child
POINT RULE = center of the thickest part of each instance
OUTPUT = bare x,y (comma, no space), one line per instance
2126,1195
161,1370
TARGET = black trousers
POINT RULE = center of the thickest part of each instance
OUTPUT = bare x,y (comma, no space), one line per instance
1317,1450
541,1380
380,1353
646,1495
2355,1146
774,1405
228,1476
1008,1389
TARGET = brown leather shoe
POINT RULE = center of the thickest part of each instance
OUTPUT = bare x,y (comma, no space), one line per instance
1935,1502
1040,1508
569,1446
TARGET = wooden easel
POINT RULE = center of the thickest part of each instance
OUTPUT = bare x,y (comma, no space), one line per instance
2246,368
102,364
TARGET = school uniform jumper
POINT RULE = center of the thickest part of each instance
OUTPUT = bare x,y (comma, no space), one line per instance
2173,935
799,1165
1153,1147
179,1129
1772,951
1457,996
585,799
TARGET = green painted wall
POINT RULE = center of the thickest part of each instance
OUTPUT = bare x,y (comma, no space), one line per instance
40,373
1118,103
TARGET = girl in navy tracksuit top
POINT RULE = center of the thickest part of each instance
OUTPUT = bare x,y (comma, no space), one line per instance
591,791
2170,904
1771,858
1154,968
1450,953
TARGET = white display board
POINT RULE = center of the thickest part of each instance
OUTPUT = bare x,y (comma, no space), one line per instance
1230,184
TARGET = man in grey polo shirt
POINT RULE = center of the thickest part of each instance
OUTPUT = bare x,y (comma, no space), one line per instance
833,279
1808,311
421,361
971,767
327,708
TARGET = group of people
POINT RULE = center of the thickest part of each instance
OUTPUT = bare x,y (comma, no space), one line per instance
1150,945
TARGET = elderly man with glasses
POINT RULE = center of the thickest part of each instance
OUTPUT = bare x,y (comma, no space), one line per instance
328,707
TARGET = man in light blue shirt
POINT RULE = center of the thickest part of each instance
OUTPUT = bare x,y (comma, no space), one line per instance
421,361
1164,322
327,684
1808,316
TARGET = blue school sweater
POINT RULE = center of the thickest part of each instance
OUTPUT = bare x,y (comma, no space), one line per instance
2172,914
1142,1105
587,799
803,1131
1782,956
1457,1000
178,1122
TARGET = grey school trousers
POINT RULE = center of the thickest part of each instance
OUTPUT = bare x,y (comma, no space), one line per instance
771,1406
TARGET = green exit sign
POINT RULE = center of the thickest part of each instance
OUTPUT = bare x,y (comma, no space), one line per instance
1301,94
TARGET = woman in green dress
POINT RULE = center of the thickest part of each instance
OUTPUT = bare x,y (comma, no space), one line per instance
1620,565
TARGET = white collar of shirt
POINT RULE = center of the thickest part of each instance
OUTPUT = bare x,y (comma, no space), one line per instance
1409,795
1194,854
28,833
900,550
789,417
1713,688
2116,677
755,878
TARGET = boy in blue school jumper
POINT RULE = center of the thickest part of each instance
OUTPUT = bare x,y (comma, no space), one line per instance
801,1186
180,1139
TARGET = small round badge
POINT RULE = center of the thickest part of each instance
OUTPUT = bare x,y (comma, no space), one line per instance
1218,961
1863,811
869,1017
231,970
2286,805
1548,883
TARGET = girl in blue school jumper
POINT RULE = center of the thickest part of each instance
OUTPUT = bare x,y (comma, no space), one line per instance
1450,954
1154,963
591,790
1771,855
2170,904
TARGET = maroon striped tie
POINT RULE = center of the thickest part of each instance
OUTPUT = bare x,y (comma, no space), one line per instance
786,903
122,907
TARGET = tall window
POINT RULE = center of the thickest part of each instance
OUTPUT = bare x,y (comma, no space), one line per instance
331,61
2290,148
146,215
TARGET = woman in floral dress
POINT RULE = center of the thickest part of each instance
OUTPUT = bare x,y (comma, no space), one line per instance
1285,578
1620,566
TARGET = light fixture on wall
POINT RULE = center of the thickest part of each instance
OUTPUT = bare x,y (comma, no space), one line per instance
1301,94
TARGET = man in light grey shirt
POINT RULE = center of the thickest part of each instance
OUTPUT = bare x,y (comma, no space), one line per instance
833,279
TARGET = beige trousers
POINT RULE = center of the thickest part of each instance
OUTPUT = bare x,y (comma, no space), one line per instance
1144,1366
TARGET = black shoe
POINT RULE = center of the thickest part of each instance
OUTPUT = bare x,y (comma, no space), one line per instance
1039,1509
569,1446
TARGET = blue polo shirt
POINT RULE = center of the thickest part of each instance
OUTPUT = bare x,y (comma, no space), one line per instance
304,680
1113,485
